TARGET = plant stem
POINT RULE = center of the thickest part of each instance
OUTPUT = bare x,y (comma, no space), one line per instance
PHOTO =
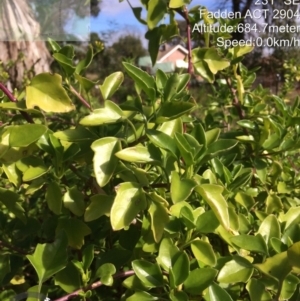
83,101
13,99
6,245
184,14
95,285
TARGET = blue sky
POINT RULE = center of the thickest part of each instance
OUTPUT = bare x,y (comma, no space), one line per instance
119,17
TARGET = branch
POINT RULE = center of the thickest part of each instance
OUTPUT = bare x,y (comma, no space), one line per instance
83,101
6,245
95,285
13,99
236,103
185,15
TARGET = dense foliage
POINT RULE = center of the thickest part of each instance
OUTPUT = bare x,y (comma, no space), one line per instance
154,198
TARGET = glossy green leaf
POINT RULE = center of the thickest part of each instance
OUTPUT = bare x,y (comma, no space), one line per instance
293,254
83,64
75,229
154,37
214,61
176,3
74,201
111,113
141,296
186,151
220,146
74,135
46,92
181,189
199,280
212,194
111,84
100,205
54,197
207,222
129,201
87,256
68,278
156,11
172,127
172,110
245,200
65,62
137,154
142,79
273,203
50,258
201,66
149,273
257,290
134,283
178,296
212,136
24,135
270,228
239,51
105,272
11,200
217,293
250,243
204,252
159,216
236,270
104,160
162,140
167,251
180,268
289,287
276,267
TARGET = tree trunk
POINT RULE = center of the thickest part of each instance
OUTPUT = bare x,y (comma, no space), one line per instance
19,34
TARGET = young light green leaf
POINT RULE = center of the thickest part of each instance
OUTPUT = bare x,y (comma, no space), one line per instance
156,11
167,251
104,159
111,84
214,61
181,189
236,270
105,273
137,154
149,273
159,216
204,252
129,201
111,113
217,293
250,243
46,92
199,280
212,194
24,135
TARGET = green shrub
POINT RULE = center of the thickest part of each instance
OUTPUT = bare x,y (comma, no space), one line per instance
156,198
